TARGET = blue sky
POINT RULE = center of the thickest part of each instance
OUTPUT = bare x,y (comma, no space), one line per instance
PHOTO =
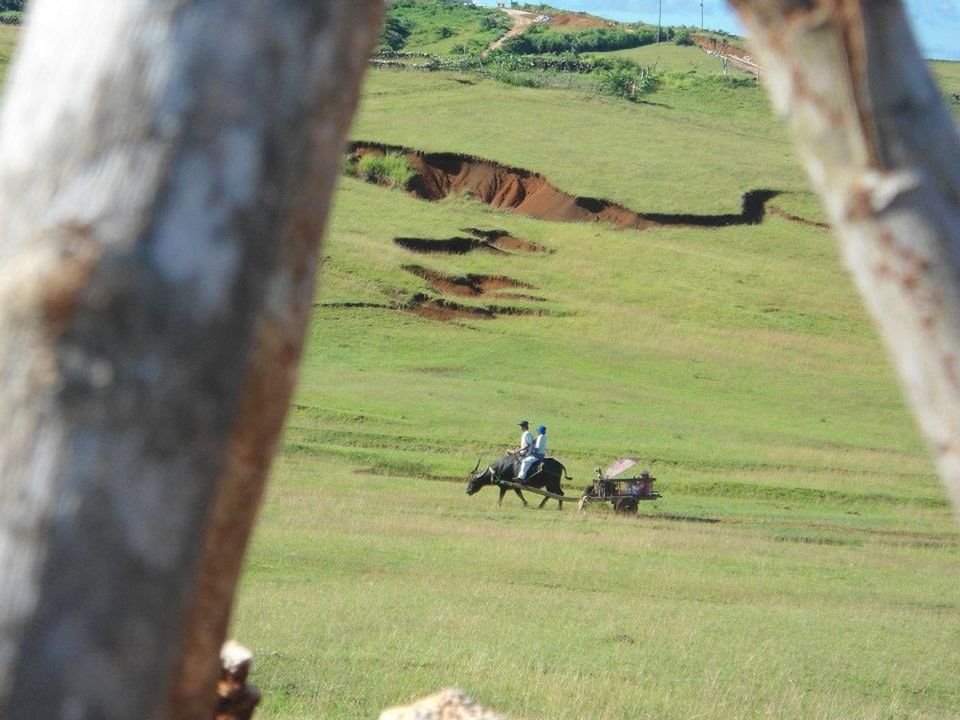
936,22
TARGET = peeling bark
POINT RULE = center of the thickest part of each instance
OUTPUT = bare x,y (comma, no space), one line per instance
165,170
882,151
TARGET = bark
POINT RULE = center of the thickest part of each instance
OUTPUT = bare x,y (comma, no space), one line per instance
165,171
882,151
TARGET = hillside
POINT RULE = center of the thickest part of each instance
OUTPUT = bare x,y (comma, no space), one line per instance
802,560
620,245
536,45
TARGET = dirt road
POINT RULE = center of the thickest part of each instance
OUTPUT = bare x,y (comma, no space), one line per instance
521,19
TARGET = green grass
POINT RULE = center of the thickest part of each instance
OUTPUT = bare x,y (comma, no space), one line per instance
389,169
364,591
442,27
9,35
947,75
738,363
675,154
669,57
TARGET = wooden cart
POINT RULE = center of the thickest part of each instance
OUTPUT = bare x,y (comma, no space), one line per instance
624,493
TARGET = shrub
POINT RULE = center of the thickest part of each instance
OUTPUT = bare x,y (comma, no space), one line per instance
517,79
691,79
470,47
444,31
628,83
683,37
538,42
495,21
11,17
394,34
392,169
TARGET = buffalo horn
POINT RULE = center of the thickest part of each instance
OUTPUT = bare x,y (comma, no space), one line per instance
478,465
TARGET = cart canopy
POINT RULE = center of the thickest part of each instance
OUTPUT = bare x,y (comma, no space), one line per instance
620,466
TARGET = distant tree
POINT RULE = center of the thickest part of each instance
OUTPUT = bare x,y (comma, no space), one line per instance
394,33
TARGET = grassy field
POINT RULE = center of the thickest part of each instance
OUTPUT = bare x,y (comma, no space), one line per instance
672,58
8,41
802,562
947,75
442,27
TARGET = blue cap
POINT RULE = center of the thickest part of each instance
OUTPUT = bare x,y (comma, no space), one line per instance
541,429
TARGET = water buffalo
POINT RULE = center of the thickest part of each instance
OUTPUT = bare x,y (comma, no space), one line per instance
546,475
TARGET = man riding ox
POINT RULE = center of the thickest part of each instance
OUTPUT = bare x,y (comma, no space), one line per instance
526,441
537,453
503,471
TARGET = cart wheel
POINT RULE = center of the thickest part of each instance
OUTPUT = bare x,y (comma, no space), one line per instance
626,506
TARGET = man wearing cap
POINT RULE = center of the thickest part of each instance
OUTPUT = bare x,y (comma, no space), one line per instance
538,453
526,441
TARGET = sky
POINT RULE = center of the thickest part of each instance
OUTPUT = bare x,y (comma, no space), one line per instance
936,22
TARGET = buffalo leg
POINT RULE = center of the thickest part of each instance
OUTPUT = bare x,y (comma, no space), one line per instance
542,502
520,495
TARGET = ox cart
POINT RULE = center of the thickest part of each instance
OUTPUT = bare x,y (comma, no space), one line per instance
623,493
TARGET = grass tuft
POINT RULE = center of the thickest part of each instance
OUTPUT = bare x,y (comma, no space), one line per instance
392,169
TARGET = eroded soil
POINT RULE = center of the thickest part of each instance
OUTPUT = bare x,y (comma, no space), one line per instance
502,240
449,246
445,310
439,175
434,308
797,219
469,285
576,21
496,241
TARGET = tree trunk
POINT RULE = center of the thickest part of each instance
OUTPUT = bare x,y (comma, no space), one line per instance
882,151
165,171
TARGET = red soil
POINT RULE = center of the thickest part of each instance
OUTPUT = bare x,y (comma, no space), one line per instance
445,311
465,285
501,186
509,188
797,219
722,48
577,21
502,240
